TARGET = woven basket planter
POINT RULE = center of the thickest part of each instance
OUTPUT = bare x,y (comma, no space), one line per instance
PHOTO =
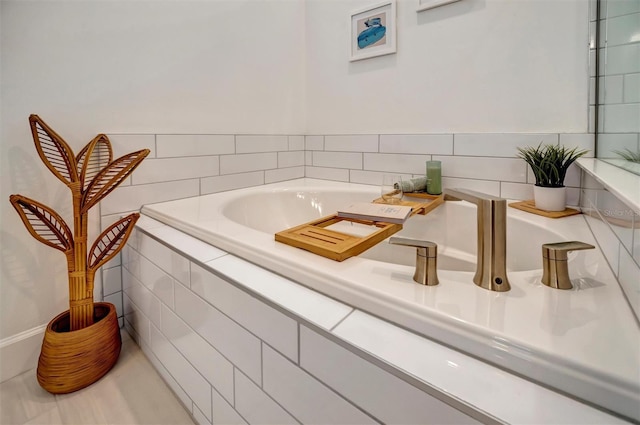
72,360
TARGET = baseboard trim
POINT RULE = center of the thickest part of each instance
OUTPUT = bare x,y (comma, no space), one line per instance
19,353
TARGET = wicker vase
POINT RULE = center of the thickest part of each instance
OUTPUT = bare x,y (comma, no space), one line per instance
70,361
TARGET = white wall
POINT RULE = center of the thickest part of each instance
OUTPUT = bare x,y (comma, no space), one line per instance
471,66
126,67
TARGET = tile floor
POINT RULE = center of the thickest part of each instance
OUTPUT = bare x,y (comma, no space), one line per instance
131,393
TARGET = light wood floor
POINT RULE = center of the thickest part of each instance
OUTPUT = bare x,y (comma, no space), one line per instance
131,393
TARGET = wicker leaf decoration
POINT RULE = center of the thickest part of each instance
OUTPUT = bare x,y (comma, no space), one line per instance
110,177
54,151
109,242
43,223
93,158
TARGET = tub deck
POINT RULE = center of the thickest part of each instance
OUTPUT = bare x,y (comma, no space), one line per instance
583,342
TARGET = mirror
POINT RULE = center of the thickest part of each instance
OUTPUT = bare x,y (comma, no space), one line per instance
617,83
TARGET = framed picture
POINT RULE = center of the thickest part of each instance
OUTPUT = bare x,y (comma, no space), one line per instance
373,31
430,4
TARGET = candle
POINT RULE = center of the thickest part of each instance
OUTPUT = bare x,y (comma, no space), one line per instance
434,177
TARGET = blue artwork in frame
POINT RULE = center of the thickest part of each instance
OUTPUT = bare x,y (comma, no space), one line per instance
373,31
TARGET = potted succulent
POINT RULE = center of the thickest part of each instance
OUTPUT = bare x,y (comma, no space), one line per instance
83,343
549,164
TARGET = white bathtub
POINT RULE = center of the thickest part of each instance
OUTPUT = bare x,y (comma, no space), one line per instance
583,342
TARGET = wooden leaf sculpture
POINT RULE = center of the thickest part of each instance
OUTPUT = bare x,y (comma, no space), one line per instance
91,175
43,223
109,242
54,151
96,155
110,177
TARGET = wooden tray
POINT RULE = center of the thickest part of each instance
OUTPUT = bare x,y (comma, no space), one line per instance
315,237
529,206
423,195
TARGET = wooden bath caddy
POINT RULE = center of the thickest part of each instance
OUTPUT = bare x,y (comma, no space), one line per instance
315,237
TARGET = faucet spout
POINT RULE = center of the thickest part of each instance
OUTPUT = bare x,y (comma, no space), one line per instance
491,266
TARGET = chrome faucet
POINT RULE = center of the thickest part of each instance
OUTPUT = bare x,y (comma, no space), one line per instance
491,266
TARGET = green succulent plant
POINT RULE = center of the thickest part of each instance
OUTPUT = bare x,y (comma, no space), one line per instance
550,163
629,155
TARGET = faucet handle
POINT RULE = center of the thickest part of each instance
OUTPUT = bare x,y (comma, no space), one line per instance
418,243
555,272
426,259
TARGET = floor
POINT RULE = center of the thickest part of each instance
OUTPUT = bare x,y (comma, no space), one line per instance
131,393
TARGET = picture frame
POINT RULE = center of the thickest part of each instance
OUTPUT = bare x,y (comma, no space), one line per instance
373,31
430,4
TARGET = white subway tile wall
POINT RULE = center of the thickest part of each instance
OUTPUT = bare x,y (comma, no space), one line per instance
231,182
230,164
619,78
256,406
498,145
153,170
337,159
387,397
268,324
254,143
316,308
290,159
434,144
616,228
352,143
225,335
179,145
296,143
223,412
196,387
282,174
211,364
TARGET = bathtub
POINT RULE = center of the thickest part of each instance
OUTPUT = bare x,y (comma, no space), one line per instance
583,342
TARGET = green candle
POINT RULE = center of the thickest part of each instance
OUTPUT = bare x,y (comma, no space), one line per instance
434,177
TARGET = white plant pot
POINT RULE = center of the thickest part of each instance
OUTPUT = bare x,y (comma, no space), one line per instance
550,198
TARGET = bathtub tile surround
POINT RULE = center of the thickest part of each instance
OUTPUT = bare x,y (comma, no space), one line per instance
231,181
256,406
316,308
433,144
246,372
182,166
261,143
470,321
616,227
499,145
267,324
469,158
203,160
319,356
185,145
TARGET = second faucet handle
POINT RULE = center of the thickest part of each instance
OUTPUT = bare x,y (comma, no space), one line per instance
426,259
555,270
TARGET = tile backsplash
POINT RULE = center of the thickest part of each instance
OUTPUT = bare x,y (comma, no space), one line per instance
181,166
